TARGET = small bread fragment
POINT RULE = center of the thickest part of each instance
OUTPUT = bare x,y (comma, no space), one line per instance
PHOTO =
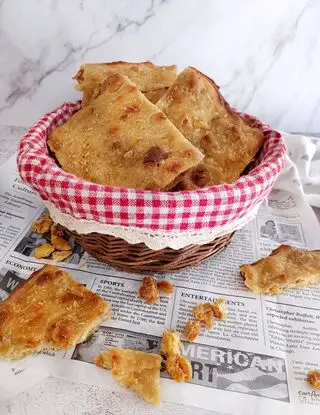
204,313
135,370
313,378
284,268
149,78
165,286
50,310
179,368
57,239
42,225
192,330
195,106
149,290
60,256
43,251
171,344
122,139
219,308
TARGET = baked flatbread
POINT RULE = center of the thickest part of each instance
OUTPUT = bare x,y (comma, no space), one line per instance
121,139
149,78
284,268
49,310
155,94
195,106
135,370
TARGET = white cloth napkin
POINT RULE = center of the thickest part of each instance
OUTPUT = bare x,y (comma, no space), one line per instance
301,174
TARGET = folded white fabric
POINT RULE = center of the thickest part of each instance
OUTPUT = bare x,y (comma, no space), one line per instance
301,174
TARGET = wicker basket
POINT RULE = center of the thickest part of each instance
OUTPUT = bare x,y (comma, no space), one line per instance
201,221
141,259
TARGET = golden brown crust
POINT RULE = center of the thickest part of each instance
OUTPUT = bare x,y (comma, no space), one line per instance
179,368
110,141
135,370
149,290
313,378
192,330
49,310
284,268
171,344
149,78
196,107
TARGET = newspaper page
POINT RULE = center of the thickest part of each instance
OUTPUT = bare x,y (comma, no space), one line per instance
253,363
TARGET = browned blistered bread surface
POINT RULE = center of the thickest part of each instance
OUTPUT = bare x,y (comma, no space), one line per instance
121,139
195,106
135,370
50,310
149,78
284,268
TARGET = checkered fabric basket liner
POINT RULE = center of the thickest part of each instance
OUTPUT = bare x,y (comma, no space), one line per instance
202,209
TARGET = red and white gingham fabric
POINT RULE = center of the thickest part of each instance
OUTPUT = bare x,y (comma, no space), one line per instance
166,211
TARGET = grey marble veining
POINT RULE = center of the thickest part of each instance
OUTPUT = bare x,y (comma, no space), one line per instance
264,54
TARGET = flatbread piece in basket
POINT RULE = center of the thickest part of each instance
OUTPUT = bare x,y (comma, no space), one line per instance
196,107
151,79
121,139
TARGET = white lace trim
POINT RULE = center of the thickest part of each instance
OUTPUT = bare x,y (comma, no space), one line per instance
153,239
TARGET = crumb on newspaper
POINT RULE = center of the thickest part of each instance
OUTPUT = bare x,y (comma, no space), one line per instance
165,286
43,251
60,256
171,344
135,370
204,313
42,225
57,240
58,248
313,378
149,290
192,330
179,368
220,310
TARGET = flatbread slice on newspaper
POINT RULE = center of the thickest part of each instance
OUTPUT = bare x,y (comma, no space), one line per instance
149,78
135,370
121,139
50,310
195,106
284,268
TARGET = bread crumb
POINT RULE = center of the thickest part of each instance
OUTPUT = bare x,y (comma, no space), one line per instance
204,313
313,378
165,286
179,368
192,330
171,344
43,251
220,309
60,256
149,290
42,225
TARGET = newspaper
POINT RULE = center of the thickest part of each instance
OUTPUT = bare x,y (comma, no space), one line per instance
255,362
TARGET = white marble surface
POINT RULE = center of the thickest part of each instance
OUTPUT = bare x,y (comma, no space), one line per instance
264,54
